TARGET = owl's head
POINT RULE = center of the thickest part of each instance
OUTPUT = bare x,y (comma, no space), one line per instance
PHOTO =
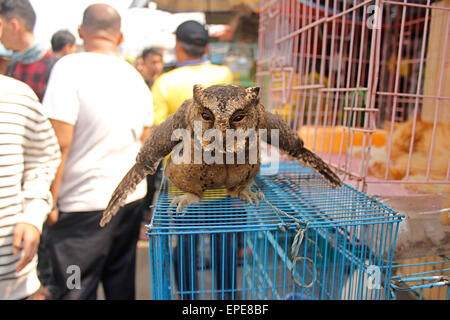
224,107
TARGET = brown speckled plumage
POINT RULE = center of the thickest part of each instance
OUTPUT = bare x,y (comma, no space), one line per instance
222,104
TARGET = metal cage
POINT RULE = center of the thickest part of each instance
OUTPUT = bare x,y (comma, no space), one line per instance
332,244
346,74
366,83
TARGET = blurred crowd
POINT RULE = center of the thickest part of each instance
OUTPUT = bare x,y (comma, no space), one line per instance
72,121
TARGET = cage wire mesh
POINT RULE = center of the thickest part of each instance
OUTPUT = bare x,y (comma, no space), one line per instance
366,83
361,81
224,248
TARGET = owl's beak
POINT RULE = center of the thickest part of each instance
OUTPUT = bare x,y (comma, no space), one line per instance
222,125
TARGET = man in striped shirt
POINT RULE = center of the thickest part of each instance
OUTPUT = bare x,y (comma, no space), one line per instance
29,157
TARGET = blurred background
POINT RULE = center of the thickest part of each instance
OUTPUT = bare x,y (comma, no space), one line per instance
232,25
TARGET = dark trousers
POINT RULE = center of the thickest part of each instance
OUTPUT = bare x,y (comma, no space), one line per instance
77,244
44,269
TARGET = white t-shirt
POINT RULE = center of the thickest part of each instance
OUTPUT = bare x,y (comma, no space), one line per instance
109,104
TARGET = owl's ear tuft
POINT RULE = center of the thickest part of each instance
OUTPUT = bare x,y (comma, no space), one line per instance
253,95
198,92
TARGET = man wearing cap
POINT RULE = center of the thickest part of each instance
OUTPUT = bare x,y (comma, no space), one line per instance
171,89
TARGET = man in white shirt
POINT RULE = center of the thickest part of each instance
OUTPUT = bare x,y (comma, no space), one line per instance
101,110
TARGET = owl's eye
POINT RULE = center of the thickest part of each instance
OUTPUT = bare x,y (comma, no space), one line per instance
206,116
238,118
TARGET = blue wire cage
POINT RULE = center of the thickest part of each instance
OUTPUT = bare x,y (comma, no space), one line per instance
306,240
422,280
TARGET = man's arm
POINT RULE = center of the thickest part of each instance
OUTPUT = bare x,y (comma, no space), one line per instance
64,134
145,134
41,159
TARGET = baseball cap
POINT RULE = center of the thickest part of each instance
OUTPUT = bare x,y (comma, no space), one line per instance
192,32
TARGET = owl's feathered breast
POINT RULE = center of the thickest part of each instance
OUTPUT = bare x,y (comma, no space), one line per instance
210,168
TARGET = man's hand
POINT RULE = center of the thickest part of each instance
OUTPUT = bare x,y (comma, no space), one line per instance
145,133
30,236
52,217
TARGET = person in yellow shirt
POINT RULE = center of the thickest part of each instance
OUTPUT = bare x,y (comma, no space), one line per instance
172,88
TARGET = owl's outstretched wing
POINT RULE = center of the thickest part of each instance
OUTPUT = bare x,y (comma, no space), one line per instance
292,144
158,145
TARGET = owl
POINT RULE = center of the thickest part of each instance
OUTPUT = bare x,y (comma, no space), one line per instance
213,140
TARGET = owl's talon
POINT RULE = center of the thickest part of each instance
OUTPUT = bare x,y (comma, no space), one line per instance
183,201
246,197
249,196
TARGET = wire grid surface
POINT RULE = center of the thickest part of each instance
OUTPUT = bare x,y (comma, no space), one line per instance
197,255
294,189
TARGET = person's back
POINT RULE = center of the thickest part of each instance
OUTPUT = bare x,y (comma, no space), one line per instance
171,89
102,98
35,73
100,108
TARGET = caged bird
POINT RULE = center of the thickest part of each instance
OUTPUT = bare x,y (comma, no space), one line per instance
204,123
